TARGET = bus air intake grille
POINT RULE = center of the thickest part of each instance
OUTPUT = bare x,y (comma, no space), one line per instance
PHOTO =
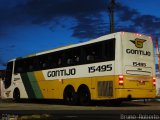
105,88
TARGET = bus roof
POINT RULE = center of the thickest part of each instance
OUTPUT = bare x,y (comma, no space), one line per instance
78,44
109,36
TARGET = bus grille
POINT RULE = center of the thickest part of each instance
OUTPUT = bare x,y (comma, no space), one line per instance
105,88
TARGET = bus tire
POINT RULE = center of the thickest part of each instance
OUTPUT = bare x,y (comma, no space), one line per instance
16,95
69,96
84,96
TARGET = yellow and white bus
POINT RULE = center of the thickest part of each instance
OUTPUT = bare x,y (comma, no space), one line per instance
113,67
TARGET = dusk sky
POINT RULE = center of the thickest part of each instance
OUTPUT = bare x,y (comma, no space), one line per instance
31,26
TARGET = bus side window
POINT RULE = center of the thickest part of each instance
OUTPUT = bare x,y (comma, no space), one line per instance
109,49
29,64
90,57
41,63
93,52
60,59
73,56
49,61
35,65
18,66
69,57
30,67
76,56
52,60
69,61
77,59
25,66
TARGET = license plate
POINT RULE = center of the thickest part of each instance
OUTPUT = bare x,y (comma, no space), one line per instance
142,82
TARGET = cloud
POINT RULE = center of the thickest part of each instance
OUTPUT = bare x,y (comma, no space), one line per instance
136,22
148,23
87,15
90,26
125,13
46,10
42,12
10,18
2,63
82,11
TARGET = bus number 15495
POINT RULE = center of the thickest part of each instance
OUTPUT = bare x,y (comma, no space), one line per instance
100,68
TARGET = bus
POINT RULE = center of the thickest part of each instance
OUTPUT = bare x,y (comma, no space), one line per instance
114,67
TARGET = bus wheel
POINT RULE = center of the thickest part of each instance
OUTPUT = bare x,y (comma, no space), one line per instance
70,96
16,95
84,96
115,102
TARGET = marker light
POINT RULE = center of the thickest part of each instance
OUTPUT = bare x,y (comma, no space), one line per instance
121,79
150,37
154,81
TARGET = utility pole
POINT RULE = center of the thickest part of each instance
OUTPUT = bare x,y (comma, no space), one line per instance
111,15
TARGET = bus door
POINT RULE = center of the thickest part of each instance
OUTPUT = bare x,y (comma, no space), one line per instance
138,61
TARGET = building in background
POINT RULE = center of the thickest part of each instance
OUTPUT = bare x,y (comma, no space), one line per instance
158,85
157,59
157,81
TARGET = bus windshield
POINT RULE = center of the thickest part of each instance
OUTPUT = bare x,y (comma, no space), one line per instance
8,75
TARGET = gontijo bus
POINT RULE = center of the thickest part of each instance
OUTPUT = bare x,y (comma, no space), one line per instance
113,67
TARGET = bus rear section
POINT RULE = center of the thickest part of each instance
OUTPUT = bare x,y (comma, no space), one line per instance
137,77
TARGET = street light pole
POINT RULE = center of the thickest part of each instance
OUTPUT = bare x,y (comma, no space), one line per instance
111,15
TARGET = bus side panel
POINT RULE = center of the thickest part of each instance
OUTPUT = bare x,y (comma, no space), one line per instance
118,55
103,87
16,83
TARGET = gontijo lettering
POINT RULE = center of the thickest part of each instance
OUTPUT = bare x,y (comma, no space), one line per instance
63,72
139,44
138,52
